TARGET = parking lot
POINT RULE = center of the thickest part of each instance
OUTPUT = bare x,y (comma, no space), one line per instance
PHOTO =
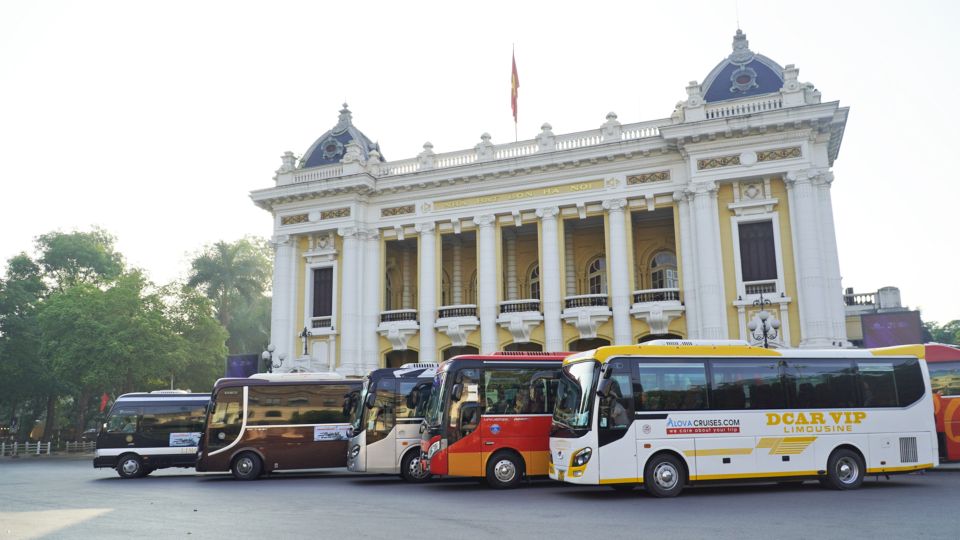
67,498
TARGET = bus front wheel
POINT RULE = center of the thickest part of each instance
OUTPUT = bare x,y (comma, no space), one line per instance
246,466
411,467
504,470
130,466
664,476
845,470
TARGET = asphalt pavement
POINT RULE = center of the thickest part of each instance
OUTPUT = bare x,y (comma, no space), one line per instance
67,498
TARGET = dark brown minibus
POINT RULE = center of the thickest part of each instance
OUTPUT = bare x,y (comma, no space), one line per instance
276,422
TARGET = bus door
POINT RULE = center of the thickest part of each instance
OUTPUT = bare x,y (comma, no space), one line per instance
225,420
121,428
380,419
411,400
463,418
616,440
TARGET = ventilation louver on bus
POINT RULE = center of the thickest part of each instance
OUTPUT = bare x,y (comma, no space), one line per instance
908,450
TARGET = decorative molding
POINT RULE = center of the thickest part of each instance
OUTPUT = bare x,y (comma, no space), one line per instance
614,205
648,178
294,219
398,210
426,227
485,220
520,324
749,158
549,212
335,213
500,198
717,162
777,154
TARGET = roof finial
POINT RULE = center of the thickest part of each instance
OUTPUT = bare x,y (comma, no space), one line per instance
345,120
741,48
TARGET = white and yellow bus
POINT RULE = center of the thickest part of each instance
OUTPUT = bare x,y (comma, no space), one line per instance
668,414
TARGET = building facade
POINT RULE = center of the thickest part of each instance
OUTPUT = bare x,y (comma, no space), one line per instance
687,226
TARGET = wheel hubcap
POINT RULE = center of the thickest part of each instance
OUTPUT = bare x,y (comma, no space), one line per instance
416,470
505,470
847,470
244,466
665,475
130,466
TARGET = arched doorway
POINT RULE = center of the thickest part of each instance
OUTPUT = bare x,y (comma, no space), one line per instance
651,337
524,347
450,352
578,345
395,359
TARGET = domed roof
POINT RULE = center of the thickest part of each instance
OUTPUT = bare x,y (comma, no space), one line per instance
743,73
331,146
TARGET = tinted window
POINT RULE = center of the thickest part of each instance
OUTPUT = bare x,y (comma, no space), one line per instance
747,384
413,398
670,386
380,417
123,420
758,258
513,391
821,384
162,421
616,409
945,377
878,386
909,381
297,404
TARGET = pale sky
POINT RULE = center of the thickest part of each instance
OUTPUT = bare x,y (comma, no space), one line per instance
154,120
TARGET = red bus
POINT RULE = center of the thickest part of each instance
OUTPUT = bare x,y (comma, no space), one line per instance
943,362
489,416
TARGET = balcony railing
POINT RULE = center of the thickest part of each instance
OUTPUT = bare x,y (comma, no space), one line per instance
760,287
398,315
462,310
742,107
321,322
656,295
519,306
862,299
586,300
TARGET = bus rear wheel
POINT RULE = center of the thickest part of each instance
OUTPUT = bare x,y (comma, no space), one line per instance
845,470
130,466
504,470
411,468
664,476
246,466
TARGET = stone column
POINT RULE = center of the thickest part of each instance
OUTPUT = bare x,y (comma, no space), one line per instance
351,272
569,260
406,276
487,282
828,238
370,314
689,264
710,271
619,271
428,291
550,279
815,324
284,291
510,241
457,286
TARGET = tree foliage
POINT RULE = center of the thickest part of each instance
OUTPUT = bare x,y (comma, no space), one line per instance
948,333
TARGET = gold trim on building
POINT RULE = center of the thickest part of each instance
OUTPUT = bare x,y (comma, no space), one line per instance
398,210
294,219
779,153
717,162
518,195
649,178
335,213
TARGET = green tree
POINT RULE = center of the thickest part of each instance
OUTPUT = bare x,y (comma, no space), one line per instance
203,352
947,333
79,257
234,276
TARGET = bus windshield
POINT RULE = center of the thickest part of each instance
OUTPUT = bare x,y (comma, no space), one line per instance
358,408
574,396
434,413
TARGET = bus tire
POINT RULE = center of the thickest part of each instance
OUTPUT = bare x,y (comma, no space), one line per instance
845,470
130,466
504,470
246,466
411,468
664,476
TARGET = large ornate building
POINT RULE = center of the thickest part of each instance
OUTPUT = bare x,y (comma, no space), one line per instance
674,227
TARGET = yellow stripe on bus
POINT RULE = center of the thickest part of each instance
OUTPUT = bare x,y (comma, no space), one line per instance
882,470
605,481
753,475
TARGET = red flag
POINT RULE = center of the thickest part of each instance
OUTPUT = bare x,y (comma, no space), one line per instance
514,85
103,401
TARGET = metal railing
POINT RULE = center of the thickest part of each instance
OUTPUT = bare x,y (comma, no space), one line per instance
656,295
25,448
520,306
461,310
321,322
398,315
760,287
586,300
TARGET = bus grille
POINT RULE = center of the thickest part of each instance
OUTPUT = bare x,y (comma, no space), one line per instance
908,449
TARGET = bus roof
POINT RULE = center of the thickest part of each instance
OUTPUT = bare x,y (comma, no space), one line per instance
735,348
277,381
939,352
525,356
150,396
407,371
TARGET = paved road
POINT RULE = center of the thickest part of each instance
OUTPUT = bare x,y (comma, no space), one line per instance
67,498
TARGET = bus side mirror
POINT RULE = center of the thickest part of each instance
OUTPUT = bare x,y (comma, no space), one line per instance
456,392
371,399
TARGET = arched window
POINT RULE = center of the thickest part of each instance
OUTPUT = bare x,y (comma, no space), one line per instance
597,276
585,344
471,297
663,271
450,352
395,359
535,281
523,347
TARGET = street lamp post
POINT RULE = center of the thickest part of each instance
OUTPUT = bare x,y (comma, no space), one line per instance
763,328
268,358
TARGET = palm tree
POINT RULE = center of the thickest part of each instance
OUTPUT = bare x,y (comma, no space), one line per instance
228,272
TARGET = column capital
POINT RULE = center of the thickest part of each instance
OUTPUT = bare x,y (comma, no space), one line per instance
614,205
705,188
349,232
485,220
427,227
681,195
281,240
549,212
369,234
807,176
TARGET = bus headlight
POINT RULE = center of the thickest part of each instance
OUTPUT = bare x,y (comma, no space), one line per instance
355,451
434,448
581,457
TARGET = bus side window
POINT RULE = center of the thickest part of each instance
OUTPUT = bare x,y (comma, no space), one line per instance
123,421
616,408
